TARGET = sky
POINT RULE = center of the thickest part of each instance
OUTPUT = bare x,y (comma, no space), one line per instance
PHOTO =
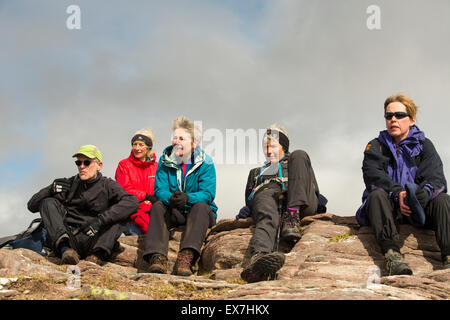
320,69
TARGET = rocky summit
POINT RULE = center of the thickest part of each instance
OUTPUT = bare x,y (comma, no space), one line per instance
334,259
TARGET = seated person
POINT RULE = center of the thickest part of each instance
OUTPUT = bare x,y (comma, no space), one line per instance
405,183
136,174
186,188
84,215
285,177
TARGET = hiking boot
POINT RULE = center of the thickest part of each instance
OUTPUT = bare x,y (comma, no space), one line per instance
263,266
70,256
395,264
446,262
183,264
289,228
158,263
93,258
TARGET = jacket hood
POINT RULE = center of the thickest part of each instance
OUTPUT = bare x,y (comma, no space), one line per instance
413,142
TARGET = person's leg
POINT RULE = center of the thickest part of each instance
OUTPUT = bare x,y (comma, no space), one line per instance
302,184
103,246
383,218
157,238
198,220
265,213
53,213
264,263
438,210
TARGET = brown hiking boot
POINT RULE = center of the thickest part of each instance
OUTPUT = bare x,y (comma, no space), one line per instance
263,266
158,263
395,264
70,256
289,228
93,258
183,264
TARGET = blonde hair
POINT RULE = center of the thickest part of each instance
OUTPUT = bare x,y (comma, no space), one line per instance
184,123
411,107
148,132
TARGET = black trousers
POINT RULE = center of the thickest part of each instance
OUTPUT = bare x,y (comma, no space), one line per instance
265,203
385,220
53,213
162,218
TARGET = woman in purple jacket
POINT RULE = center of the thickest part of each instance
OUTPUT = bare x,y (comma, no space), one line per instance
405,183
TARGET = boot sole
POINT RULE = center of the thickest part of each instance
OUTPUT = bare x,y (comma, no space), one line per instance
156,269
264,268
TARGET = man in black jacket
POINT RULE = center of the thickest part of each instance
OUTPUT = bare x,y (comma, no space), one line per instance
84,215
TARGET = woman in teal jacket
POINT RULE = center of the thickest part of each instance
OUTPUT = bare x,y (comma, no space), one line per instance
185,187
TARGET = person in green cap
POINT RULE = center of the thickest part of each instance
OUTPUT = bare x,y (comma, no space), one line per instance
84,215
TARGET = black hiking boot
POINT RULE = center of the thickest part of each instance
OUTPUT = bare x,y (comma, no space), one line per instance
158,263
263,266
446,262
395,264
289,228
183,264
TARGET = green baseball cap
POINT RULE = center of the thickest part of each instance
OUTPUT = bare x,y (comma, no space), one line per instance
89,151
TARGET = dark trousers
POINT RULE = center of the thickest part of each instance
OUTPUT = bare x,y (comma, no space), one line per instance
53,214
163,218
385,220
265,203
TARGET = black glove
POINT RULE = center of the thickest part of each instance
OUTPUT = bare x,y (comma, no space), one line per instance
423,196
151,198
60,185
244,213
92,225
178,199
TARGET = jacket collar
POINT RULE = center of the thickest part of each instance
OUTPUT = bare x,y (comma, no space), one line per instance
169,159
138,163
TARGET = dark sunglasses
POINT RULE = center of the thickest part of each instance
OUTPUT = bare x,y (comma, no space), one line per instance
398,115
86,163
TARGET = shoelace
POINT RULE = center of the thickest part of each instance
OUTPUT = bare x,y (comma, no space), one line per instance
290,218
185,258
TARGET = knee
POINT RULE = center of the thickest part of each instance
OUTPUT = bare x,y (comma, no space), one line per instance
157,208
298,155
200,207
442,200
378,194
48,203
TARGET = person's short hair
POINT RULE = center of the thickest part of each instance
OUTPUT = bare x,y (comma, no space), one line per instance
184,123
411,107
148,132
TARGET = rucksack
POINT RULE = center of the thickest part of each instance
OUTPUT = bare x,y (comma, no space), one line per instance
33,238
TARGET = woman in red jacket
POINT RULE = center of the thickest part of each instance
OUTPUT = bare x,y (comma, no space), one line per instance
136,174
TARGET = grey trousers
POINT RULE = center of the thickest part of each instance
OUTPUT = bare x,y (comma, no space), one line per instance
264,205
162,218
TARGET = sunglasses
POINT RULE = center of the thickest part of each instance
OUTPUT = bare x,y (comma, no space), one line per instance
398,115
86,163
